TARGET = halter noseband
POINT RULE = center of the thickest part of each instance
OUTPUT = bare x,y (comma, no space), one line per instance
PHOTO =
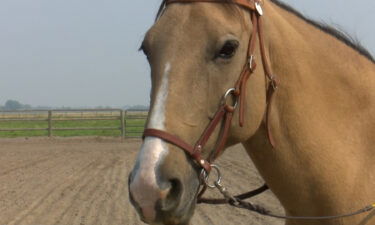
225,111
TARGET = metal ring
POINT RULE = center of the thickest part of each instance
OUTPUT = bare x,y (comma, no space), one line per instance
206,176
203,176
227,93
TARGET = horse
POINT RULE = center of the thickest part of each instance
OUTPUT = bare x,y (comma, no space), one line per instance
312,141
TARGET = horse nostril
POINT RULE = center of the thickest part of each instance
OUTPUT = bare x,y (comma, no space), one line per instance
173,197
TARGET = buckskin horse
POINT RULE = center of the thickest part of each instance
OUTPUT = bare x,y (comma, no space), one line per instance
305,114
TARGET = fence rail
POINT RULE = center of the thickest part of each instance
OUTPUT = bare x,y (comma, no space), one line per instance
49,116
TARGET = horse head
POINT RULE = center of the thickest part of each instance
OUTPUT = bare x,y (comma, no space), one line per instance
197,54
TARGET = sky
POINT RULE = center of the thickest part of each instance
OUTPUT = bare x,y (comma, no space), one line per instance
85,53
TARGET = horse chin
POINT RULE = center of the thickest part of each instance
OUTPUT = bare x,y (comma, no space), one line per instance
180,216
169,219
177,217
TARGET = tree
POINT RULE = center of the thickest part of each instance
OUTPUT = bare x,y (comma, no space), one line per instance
12,105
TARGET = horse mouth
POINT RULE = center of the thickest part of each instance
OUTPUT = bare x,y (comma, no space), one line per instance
180,214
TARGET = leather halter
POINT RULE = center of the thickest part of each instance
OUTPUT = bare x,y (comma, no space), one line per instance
225,112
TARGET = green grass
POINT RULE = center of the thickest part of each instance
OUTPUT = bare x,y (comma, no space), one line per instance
133,127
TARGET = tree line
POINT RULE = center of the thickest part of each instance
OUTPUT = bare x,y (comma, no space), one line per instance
12,105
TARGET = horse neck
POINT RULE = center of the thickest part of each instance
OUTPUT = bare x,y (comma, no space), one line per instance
321,119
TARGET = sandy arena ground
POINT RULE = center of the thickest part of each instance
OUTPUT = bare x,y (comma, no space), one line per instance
82,181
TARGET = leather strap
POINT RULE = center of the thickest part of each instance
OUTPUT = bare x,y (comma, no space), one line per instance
272,85
211,127
193,152
270,93
247,70
169,138
218,201
222,139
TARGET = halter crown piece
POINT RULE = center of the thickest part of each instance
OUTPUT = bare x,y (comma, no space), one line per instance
225,112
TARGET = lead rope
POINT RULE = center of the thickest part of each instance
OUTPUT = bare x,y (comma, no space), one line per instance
238,202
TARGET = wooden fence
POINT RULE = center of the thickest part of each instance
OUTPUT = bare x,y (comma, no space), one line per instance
49,116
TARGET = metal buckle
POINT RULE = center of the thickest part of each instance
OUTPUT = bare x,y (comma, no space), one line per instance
273,82
251,60
258,7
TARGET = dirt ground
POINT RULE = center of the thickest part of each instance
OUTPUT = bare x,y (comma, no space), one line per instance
79,181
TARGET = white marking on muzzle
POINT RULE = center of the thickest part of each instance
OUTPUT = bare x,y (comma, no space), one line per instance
144,186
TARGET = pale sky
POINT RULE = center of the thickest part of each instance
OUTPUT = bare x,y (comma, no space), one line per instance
84,53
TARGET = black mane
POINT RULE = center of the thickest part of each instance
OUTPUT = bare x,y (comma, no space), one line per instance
334,31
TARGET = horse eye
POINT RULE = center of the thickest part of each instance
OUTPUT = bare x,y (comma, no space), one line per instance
228,50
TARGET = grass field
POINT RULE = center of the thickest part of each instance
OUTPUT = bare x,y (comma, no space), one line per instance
134,124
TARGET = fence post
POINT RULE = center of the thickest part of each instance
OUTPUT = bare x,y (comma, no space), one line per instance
49,123
122,120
